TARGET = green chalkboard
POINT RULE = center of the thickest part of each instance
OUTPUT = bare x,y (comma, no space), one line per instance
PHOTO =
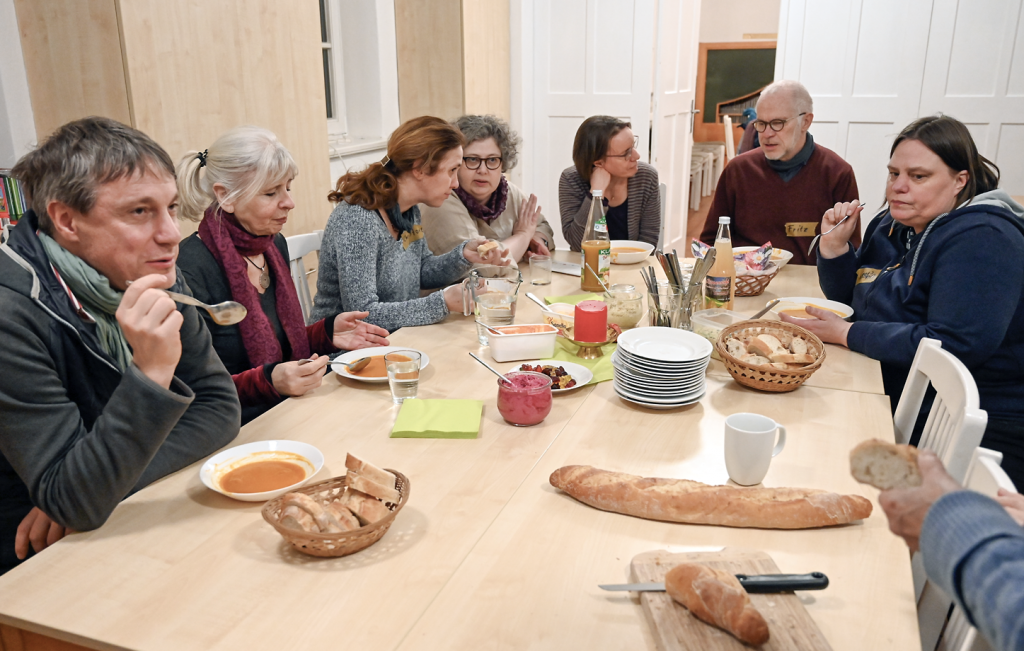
735,73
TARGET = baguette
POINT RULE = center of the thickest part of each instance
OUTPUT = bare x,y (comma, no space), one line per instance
716,597
691,502
384,491
368,509
792,358
885,465
370,471
760,347
324,519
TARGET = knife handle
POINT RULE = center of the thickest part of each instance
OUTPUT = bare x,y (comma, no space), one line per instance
764,583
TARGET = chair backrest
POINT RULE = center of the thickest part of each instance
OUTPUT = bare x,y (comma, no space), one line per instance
955,423
730,141
987,477
663,192
298,247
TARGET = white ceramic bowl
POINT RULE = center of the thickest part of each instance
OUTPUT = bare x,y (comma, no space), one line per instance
522,345
376,351
302,453
563,314
631,257
799,302
779,256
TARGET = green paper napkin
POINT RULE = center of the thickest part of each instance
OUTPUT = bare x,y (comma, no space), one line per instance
438,419
600,367
572,299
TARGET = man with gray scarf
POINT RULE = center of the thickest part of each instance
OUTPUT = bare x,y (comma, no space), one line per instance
106,387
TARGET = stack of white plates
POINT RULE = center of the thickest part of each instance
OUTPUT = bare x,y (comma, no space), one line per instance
660,368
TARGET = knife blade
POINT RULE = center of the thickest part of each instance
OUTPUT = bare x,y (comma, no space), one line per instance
752,583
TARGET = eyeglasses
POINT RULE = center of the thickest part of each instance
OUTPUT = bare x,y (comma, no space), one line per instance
629,152
473,162
776,125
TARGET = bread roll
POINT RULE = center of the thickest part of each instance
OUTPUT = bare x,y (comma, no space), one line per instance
716,597
682,500
885,465
486,246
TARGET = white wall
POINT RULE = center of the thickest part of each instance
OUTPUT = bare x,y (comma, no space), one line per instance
727,21
17,127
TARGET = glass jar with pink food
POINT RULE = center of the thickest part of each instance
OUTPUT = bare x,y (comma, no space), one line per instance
527,401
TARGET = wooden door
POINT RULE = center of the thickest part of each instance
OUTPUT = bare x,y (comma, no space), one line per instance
673,110
589,57
975,72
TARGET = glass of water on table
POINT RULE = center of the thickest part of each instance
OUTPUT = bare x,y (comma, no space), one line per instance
493,291
403,374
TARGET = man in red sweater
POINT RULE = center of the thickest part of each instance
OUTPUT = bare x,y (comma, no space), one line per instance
780,191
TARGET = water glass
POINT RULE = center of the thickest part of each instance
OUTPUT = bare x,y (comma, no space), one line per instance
403,374
493,291
666,307
540,270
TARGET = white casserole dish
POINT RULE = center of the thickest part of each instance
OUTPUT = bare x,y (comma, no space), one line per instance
539,343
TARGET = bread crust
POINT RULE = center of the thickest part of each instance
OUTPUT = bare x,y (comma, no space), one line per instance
370,471
716,597
386,492
885,465
365,507
691,502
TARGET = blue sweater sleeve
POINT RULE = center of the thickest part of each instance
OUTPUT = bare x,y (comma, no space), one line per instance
979,262
838,276
974,551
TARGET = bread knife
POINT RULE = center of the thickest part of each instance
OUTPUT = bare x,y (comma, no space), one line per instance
753,583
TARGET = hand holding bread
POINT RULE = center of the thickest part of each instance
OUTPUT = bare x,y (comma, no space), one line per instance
481,250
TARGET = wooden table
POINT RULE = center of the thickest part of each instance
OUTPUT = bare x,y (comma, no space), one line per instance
487,554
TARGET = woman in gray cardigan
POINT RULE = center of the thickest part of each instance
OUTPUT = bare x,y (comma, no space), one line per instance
374,257
605,158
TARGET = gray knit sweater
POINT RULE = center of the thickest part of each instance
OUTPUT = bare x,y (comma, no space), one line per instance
362,268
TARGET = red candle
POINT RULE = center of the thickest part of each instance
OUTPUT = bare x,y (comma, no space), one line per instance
591,322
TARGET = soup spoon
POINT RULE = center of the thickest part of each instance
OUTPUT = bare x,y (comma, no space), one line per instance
357,365
225,314
491,369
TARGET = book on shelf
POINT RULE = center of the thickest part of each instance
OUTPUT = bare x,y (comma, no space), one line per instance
12,198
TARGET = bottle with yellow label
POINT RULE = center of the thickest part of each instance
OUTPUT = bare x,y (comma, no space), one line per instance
720,283
596,247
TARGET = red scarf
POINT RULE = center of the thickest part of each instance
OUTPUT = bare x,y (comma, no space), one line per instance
228,242
492,208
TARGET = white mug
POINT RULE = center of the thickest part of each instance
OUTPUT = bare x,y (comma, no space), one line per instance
749,441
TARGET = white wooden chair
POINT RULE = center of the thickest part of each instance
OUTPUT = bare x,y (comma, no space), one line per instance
730,140
956,634
300,246
663,193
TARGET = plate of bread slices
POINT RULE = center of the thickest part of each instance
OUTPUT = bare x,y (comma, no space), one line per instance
343,515
770,355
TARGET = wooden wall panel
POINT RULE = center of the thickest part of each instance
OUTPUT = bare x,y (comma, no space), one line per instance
486,52
430,66
72,60
196,69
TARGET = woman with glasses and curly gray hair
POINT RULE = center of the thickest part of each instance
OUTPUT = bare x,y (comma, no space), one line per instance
485,203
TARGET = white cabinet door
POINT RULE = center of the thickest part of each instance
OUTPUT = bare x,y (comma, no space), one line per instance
589,57
975,73
863,63
674,93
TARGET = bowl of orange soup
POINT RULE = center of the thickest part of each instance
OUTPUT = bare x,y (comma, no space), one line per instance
375,371
796,307
260,471
630,251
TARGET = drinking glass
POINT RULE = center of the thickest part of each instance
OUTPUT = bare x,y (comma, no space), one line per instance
493,291
665,307
403,374
540,270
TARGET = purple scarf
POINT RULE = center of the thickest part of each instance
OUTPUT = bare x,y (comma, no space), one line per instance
228,242
486,211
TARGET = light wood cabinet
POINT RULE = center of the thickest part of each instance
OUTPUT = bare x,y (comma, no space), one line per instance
453,57
185,71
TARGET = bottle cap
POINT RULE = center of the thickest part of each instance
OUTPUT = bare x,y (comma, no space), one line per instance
724,220
597,193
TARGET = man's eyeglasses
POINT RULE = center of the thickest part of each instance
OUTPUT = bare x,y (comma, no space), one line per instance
776,125
473,162
629,152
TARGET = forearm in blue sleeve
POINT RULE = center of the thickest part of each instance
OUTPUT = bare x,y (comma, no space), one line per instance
838,276
974,551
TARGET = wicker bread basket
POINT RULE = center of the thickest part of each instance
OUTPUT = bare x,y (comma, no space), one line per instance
335,544
755,285
768,378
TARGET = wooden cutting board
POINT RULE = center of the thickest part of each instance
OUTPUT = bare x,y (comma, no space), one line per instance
675,629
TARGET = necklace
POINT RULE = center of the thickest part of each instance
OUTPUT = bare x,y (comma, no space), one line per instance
264,276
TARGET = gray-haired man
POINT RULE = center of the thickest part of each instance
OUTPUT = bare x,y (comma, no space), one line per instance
105,387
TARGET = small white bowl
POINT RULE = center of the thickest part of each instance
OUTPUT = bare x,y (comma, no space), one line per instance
302,453
563,314
630,257
779,256
799,302
538,342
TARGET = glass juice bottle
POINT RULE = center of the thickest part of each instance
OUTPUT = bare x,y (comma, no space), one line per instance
720,284
596,246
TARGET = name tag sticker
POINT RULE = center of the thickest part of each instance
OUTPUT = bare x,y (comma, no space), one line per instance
867,275
801,229
408,238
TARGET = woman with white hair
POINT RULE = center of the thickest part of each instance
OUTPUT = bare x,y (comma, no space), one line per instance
485,203
240,191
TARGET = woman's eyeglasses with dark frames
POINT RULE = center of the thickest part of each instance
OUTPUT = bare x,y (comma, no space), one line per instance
776,125
473,162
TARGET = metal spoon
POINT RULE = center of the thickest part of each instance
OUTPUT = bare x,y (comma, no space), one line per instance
225,314
488,367
772,303
596,277
497,332
357,365
817,237
542,304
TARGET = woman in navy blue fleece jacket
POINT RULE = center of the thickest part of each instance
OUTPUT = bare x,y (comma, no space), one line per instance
945,260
